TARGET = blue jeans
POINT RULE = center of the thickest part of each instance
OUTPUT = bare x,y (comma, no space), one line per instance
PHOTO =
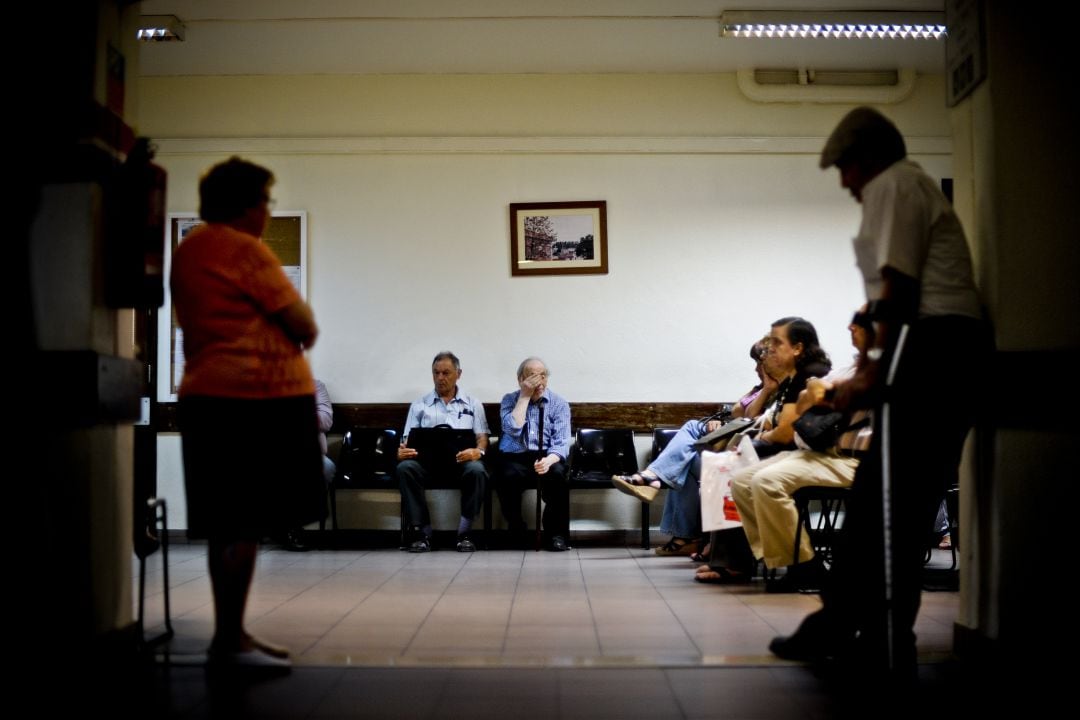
679,466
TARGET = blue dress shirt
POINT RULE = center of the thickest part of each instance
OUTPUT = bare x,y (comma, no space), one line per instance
523,438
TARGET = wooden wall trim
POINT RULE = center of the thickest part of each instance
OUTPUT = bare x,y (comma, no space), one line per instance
1010,368
640,417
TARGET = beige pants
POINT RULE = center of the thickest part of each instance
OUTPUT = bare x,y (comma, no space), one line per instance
763,493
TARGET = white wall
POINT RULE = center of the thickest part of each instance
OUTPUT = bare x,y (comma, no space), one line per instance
719,221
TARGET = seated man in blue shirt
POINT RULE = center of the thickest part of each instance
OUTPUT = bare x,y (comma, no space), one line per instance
533,447
445,405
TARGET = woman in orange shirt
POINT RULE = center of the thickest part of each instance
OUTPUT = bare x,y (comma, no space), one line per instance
252,462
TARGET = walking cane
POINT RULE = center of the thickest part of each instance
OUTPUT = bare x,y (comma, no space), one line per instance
539,456
886,494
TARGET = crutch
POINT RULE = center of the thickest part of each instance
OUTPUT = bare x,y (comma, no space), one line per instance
539,456
886,493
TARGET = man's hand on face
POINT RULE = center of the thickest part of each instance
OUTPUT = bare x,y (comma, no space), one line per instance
529,385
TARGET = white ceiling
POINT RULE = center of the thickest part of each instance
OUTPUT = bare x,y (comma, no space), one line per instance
254,37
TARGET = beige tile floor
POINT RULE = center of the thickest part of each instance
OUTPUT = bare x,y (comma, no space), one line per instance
593,606
598,632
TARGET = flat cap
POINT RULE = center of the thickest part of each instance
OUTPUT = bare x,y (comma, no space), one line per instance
867,132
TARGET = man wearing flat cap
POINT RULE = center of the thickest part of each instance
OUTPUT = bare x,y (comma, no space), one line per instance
917,272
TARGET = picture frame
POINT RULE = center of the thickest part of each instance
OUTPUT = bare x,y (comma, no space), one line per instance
559,238
285,234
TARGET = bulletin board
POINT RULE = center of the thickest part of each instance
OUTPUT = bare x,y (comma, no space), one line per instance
286,236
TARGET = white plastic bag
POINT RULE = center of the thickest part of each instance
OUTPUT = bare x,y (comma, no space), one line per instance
718,511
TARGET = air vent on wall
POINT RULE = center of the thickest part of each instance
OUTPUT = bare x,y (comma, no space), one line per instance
826,86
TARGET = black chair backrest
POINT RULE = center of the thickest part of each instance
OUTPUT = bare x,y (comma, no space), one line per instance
660,439
607,452
367,455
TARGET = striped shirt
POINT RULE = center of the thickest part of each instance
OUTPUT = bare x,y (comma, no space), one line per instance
523,438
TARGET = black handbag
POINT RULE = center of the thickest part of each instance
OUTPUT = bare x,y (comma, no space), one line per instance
722,433
821,427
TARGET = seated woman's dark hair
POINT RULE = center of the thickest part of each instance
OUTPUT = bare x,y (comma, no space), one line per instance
231,188
802,331
757,350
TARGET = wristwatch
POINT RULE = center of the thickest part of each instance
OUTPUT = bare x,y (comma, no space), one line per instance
481,452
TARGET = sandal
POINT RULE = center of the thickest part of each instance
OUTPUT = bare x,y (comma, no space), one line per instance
702,556
677,546
721,576
637,485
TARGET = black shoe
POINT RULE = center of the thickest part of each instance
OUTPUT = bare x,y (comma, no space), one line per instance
422,545
558,544
464,544
293,543
814,641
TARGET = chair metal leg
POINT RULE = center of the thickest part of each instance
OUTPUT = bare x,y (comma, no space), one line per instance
332,494
539,517
644,525
487,515
156,513
803,508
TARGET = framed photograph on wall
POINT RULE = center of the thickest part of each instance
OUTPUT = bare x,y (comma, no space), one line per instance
559,238
286,235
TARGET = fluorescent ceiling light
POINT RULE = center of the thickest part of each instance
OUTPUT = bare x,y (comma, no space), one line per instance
160,28
832,24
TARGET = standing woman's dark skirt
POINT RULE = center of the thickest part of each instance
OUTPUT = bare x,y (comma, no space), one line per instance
252,468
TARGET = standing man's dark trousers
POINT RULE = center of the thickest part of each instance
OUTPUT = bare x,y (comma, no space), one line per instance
413,477
517,474
932,406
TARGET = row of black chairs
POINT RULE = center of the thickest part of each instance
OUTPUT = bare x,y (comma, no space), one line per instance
368,458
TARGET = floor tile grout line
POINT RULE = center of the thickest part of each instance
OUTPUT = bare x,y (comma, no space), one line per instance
513,602
689,635
371,592
678,700
589,599
314,713
442,594
308,588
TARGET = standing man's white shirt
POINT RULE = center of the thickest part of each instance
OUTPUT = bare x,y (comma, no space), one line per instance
908,225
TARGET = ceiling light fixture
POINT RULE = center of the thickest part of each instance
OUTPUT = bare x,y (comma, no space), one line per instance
832,24
160,28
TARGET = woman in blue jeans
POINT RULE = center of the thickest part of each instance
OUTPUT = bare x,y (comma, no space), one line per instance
678,466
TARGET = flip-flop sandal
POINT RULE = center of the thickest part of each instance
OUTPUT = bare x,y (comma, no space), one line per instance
702,556
722,576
